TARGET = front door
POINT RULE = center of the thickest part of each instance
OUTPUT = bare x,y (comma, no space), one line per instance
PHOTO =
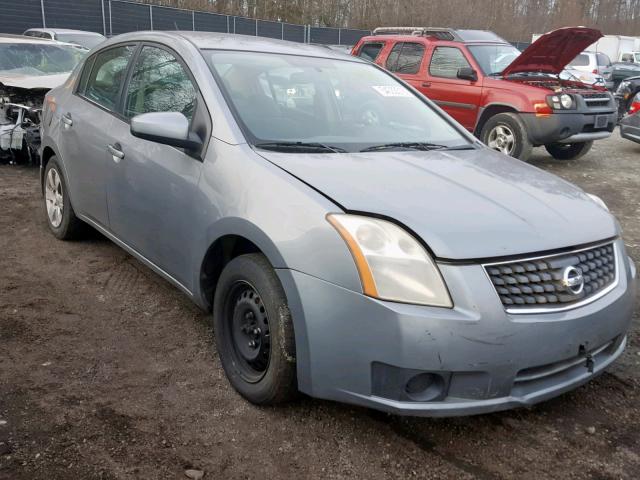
152,188
459,98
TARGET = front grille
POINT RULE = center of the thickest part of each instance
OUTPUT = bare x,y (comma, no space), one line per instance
553,282
594,100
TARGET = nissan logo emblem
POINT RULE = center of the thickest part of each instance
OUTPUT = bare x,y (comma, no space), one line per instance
573,280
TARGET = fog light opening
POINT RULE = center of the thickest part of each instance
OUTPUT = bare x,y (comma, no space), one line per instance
424,387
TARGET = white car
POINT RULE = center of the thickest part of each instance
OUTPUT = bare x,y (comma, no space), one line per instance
597,63
66,35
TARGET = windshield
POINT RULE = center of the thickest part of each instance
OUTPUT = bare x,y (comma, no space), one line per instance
346,104
493,59
38,59
88,41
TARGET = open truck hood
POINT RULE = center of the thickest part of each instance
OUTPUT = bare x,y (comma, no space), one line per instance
554,50
465,205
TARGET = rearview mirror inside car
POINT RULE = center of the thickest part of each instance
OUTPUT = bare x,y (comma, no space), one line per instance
467,73
168,128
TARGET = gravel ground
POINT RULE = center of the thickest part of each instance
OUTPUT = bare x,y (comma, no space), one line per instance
108,372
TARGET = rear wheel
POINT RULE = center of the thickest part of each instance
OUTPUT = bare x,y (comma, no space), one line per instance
568,151
61,218
506,133
254,331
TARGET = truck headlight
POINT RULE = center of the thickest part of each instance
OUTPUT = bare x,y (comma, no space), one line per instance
561,102
598,200
391,263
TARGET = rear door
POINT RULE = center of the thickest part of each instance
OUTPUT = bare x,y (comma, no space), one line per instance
459,98
86,116
406,61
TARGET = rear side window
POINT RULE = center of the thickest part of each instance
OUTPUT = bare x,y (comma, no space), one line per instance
603,60
370,51
627,57
107,75
405,58
159,83
446,61
581,60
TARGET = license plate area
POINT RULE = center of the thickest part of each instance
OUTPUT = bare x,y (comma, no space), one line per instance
601,121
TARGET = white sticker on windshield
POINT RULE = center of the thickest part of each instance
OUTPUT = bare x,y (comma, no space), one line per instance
392,91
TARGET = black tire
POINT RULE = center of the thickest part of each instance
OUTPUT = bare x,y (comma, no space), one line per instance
70,227
568,151
521,147
249,285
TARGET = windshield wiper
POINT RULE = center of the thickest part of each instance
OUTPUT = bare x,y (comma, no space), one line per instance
422,146
306,147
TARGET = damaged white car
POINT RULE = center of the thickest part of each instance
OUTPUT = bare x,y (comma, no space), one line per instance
29,68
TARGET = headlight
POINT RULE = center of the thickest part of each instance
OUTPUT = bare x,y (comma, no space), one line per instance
566,101
561,102
598,200
623,87
391,263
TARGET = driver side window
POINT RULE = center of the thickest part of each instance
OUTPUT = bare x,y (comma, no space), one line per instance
159,83
446,61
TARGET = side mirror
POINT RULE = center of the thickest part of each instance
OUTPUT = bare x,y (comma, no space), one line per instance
168,128
467,73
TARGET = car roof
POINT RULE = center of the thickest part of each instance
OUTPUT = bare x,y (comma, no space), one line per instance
64,30
229,41
435,34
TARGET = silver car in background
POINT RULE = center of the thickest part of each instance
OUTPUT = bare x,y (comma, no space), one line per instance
352,241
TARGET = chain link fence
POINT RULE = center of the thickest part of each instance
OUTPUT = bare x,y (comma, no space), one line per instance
112,17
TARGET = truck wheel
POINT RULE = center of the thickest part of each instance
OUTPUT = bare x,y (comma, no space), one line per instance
61,218
254,331
568,151
506,133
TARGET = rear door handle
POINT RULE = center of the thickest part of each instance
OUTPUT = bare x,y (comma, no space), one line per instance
116,152
426,84
66,119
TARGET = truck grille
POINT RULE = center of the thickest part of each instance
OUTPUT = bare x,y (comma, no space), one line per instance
555,282
596,99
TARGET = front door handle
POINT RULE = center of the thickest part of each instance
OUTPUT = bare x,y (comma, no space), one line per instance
426,84
116,152
67,121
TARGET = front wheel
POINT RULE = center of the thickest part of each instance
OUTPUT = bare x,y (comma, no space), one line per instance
568,151
254,331
506,133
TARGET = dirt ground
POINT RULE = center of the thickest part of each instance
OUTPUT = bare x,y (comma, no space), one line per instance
108,372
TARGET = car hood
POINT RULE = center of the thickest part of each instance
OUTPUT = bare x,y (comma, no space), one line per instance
554,50
466,204
34,81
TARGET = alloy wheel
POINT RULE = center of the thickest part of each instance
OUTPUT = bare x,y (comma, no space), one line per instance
502,139
54,197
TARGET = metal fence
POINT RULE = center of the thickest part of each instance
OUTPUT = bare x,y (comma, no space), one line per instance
112,17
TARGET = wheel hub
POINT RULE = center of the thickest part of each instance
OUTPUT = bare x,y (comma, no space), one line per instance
502,139
250,332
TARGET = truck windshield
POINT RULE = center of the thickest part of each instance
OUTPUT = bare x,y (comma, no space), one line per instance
38,59
343,105
493,59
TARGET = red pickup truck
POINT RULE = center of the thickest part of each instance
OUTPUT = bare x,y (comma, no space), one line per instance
512,101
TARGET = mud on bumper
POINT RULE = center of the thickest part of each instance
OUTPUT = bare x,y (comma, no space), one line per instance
474,358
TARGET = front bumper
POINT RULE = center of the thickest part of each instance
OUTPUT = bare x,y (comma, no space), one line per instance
568,127
359,350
